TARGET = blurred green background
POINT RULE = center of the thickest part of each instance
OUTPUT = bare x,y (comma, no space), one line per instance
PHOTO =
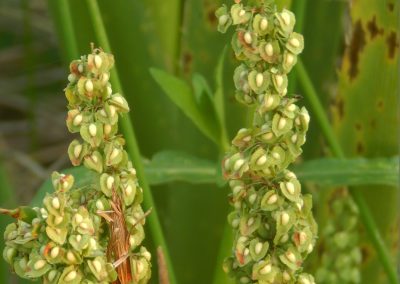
351,56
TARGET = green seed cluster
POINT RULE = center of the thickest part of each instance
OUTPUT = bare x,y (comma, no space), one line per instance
273,222
89,234
341,258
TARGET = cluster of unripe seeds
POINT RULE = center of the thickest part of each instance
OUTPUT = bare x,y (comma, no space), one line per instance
89,234
273,223
341,258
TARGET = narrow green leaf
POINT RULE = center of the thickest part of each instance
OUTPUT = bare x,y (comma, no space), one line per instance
204,99
350,172
170,166
181,94
202,90
219,100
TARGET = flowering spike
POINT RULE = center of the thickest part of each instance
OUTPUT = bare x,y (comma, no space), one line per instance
67,240
273,223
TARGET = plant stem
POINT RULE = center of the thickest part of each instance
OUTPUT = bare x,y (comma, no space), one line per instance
131,141
337,151
318,109
62,11
7,198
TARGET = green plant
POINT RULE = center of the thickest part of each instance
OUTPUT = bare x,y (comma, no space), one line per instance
92,233
273,222
351,141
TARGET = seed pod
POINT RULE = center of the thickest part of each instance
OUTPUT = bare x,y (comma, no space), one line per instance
236,165
94,161
70,275
108,183
72,257
249,224
74,120
55,204
289,60
262,25
57,235
264,270
239,14
291,189
258,81
119,102
9,253
224,19
62,182
72,95
113,154
269,102
107,115
280,82
259,159
286,21
240,77
76,152
281,125
258,249
243,137
291,258
58,221
271,201
128,190
140,268
269,51
295,43
78,241
53,253
92,133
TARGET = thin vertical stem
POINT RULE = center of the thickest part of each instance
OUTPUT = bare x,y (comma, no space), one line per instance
62,11
7,198
131,141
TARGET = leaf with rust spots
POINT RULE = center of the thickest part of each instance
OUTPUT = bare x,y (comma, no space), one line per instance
356,46
373,28
368,86
392,43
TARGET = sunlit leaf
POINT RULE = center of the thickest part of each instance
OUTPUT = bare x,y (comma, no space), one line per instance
181,94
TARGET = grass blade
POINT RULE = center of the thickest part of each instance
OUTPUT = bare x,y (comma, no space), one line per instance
181,94
350,172
168,166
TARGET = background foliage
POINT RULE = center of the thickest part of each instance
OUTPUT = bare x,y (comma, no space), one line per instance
351,57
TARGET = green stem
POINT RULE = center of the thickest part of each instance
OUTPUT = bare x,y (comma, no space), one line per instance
224,248
131,141
318,109
337,151
7,198
62,13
